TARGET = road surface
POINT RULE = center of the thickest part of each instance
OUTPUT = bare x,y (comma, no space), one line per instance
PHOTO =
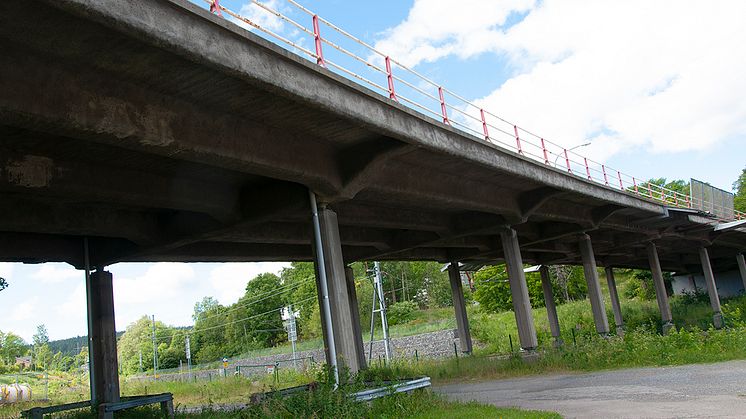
689,391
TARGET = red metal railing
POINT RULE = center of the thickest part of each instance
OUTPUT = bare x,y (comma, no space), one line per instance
418,92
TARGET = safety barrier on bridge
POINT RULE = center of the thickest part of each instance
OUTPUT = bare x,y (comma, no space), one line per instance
355,59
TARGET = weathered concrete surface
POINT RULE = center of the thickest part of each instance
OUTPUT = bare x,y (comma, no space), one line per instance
165,133
459,308
690,391
594,287
614,297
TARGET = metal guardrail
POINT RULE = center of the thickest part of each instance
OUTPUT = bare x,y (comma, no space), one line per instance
412,89
404,387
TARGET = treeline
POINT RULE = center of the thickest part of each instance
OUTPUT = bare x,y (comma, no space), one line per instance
40,352
257,319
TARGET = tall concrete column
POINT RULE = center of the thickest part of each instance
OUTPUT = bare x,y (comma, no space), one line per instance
518,290
742,269
103,335
712,291
459,306
546,286
343,324
354,309
614,295
660,287
594,288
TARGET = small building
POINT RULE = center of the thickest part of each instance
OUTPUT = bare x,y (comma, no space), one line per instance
23,361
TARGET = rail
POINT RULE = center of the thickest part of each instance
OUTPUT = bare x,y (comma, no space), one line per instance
390,77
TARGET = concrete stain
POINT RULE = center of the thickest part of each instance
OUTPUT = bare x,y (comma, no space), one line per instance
31,171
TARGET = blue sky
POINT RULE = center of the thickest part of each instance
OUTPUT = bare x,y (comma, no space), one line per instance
656,87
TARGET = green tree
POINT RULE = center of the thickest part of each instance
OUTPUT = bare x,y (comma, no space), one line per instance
739,188
139,337
11,346
42,353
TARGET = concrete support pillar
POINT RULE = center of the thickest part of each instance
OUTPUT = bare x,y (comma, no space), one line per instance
343,324
614,295
546,286
357,329
518,290
459,306
594,288
712,291
742,269
105,372
660,287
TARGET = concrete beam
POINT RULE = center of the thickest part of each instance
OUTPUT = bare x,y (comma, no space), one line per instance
712,290
546,286
105,374
594,288
614,296
530,201
459,306
660,287
518,290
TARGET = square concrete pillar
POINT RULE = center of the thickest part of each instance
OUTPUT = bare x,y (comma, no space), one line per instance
103,336
459,307
518,290
712,291
546,286
343,320
742,268
358,332
614,296
594,288
660,287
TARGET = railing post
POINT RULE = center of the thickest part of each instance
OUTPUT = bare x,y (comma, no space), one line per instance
619,175
544,150
317,40
567,161
443,109
650,190
606,179
390,76
484,126
587,169
634,182
517,139
688,202
215,8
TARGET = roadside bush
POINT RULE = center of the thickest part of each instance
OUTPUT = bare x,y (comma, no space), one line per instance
401,312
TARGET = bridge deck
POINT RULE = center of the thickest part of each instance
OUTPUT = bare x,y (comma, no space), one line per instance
164,133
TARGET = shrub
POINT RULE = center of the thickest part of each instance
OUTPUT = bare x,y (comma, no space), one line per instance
401,312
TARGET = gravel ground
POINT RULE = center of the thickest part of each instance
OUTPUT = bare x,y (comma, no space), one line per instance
690,391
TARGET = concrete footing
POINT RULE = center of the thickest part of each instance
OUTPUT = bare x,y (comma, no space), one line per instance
660,287
546,286
105,371
594,288
614,296
347,336
712,291
459,307
518,290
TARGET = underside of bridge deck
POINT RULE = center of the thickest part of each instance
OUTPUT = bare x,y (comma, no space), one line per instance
163,133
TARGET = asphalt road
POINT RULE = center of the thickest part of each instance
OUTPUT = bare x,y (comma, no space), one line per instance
689,391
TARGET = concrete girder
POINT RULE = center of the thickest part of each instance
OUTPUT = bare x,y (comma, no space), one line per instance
530,201
360,164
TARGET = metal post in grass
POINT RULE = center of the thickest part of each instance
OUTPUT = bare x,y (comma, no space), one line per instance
574,342
416,356
510,340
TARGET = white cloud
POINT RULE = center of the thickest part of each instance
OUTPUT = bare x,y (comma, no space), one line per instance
229,279
24,310
437,28
261,16
50,273
159,281
661,76
6,270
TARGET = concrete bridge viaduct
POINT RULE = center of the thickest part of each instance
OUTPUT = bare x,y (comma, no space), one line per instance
151,130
